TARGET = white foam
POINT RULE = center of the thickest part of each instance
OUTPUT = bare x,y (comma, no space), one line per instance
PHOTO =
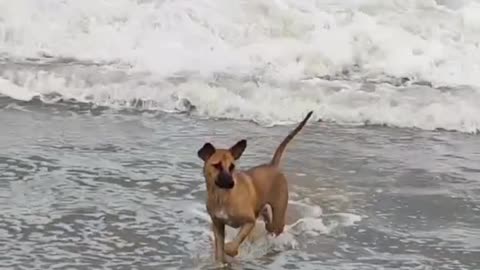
310,224
20,93
273,45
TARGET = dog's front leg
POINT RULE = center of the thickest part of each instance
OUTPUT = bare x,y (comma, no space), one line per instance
231,248
219,234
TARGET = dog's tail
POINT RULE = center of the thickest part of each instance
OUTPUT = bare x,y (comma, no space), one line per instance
281,148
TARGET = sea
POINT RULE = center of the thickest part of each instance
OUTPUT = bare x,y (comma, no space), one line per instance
105,103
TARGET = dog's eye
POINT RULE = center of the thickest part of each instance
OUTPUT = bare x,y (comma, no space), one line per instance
232,167
218,166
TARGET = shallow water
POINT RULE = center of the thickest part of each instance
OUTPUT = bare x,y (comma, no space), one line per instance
89,189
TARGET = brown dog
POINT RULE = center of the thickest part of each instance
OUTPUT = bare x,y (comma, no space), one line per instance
238,198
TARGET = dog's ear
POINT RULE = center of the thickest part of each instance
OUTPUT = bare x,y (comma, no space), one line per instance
238,148
206,151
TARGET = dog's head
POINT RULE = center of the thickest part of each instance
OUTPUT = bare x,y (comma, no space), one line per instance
219,164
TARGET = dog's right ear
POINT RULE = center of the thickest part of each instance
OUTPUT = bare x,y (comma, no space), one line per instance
206,151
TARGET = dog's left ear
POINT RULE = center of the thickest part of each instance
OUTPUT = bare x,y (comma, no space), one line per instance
206,151
238,148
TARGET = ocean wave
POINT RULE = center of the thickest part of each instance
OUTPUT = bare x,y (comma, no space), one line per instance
399,63
267,103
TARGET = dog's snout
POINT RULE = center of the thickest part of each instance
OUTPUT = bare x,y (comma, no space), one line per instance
225,180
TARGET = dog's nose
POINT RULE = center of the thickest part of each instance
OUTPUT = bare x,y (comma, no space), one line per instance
225,180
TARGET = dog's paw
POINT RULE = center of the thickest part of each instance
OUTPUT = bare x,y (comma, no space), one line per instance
231,249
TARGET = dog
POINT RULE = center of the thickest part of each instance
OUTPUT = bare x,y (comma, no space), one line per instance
238,198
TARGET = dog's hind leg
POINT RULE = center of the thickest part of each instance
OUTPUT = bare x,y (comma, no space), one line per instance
278,202
278,218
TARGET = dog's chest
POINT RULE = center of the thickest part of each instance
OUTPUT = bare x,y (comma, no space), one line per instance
223,215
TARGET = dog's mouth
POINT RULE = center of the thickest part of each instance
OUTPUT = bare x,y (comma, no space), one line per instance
225,185
225,181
